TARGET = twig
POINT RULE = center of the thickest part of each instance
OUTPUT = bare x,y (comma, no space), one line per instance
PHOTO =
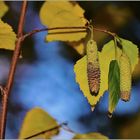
105,31
49,29
77,29
45,131
15,58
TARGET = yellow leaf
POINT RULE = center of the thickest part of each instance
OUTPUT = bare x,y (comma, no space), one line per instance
3,8
7,36
78,46
63,14
35,121
105,56
90,136
108,53
80,70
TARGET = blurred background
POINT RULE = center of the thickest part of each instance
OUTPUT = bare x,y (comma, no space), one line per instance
45,77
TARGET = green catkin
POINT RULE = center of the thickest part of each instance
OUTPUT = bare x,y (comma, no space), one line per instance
125,77
93,67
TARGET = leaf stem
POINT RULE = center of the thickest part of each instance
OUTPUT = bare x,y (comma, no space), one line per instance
15,58
115,44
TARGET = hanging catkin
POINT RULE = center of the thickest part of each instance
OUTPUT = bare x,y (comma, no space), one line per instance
93,68
125,77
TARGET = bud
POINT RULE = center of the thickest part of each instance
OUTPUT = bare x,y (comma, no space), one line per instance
125,77
93,67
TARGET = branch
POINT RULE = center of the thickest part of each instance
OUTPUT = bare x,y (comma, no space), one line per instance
77,29
49,29
105,31
45,131
15,58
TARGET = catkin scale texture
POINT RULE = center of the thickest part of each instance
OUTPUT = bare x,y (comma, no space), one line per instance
125,77
93,67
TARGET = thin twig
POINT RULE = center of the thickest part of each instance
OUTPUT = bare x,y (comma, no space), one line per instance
45,131
49,29
77,29
105,31
12,71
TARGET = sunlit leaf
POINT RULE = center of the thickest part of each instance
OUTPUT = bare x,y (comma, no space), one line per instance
80,70
113,85
92,136
62,14
35,121
3,8
105,57
7,36
78,46
131,50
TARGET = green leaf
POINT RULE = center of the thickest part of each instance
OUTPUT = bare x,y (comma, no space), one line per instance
131,50
90,136
62,14
113,85
35,121
3,8
7,36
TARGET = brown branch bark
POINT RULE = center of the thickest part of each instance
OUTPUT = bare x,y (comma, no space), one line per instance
15,58
45,131
77,29
63,125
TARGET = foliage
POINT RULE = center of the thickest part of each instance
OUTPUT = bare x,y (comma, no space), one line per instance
105,57
62,14
65,17
90,136
3,8
7,36
65,21
35,121
113,85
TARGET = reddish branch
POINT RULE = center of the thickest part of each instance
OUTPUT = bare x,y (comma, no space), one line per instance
7,88
63,125
45,131
77,29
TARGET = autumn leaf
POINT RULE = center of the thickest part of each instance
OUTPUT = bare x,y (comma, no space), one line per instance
7,36
105,57
3,8
80,70
63,14
129,48
35,121
113,85
79,46
90,136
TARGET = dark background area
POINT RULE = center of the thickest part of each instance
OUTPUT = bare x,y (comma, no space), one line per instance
45,76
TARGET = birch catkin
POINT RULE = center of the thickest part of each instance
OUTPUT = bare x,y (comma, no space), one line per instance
93,68
125,77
